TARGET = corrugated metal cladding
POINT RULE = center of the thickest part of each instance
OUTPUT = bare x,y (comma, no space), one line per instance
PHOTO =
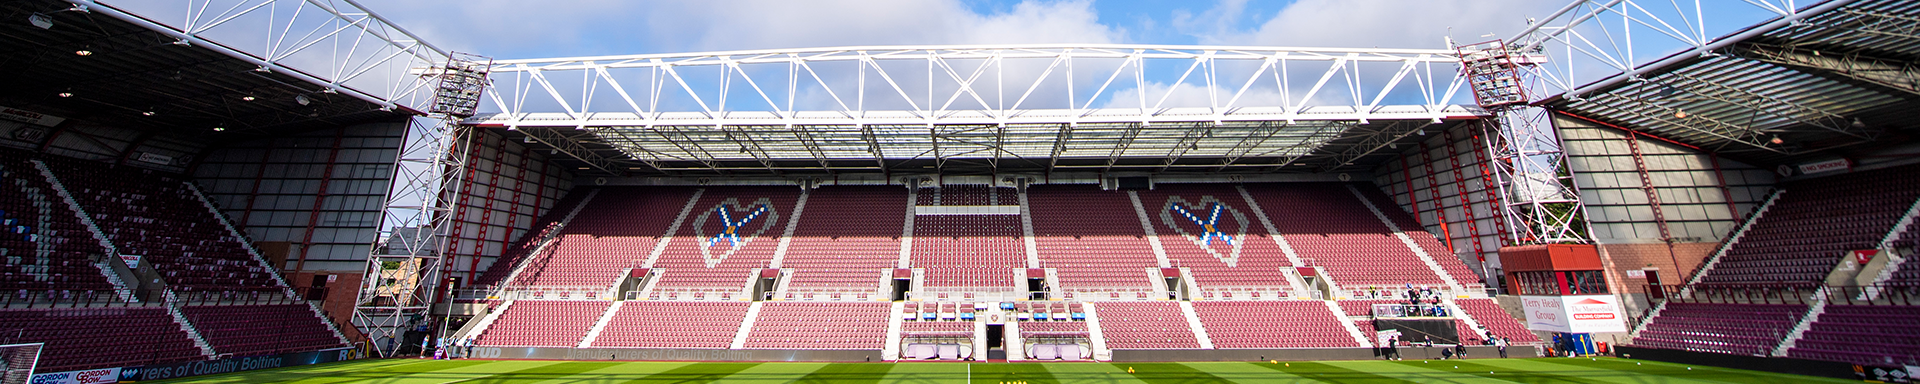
110,144
508,187
268,187
1838,27
1422,180
1684,179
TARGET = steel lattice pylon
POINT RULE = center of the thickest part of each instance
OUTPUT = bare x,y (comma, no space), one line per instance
403,270
1538,200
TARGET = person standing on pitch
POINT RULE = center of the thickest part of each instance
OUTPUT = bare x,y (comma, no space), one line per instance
1393,348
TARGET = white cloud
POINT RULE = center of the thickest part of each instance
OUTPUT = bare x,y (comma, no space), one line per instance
784,24
525,29
1374,23
1186,95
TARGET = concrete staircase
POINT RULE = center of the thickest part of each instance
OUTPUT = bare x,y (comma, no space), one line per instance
1146,226
547,239
786,236
1100,350
1417,251
1814,311
1026,233
1193,322
94,229
1347,322
1731,240
1273,232
1454,308
474,328
891,350
667,237
906,230
192,333
605,317
1893,259
746,326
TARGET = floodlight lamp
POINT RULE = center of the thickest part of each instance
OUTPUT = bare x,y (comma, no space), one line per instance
65,94
40,20
1679,114
1776,140
246,98
218,129
148,113
1859,124
83,52
302,99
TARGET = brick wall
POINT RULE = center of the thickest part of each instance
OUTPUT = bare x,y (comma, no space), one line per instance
1627,257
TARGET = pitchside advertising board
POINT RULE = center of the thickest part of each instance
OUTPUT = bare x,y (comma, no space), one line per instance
1574,314
194,368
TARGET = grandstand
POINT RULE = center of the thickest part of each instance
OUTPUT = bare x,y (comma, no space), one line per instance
175,193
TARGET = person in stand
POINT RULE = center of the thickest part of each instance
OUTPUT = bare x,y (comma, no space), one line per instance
1502,344
468,348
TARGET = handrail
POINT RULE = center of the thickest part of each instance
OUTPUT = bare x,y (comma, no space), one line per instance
1794,293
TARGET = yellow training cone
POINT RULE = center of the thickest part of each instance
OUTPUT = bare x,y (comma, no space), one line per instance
1129,369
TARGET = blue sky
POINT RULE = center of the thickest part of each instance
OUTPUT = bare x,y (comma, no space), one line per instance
518,29
558,28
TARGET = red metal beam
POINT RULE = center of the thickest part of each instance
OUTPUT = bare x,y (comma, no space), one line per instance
462,200
1495,206
1648,135
1653,198
486,211
1433,193
1460,187
319,198
1406,177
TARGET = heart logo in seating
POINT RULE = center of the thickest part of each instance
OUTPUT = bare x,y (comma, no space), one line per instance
738,226
1209,229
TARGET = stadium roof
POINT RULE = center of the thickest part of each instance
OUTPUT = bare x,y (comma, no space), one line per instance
1834,79
978,109
144,72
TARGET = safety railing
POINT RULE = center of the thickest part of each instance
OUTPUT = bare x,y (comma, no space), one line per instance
263,296
70,298
1890,293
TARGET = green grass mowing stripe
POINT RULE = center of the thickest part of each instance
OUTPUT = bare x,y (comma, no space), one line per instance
461,374
1242,372
695,373
1699,373
1330,373
784,372
849,373
541,373
332,373
926,373
300,371
1168,373
618,373
1507,373
1033,373
1072,373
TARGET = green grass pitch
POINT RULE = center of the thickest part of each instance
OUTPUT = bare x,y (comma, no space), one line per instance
1548,370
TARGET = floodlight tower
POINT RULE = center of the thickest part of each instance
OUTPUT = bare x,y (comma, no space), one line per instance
402,280
1539,203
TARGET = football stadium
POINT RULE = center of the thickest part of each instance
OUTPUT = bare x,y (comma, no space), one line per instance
251,191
